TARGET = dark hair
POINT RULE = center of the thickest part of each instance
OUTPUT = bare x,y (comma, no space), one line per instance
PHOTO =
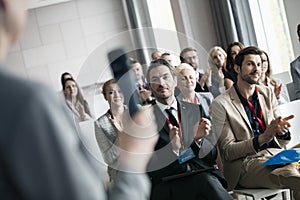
157,63
62,78
298,30
269,71
230,59
106,84
68,79
79,96
246,51
165,54
183,51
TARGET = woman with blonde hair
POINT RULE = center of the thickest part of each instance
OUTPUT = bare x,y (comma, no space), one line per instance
186,83
217,63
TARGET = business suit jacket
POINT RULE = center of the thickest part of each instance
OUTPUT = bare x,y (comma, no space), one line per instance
205,99
164,162
295,72
234,130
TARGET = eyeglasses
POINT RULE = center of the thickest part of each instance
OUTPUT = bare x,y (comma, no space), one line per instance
190,58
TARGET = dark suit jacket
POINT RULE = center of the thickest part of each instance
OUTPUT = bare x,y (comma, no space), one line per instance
164,162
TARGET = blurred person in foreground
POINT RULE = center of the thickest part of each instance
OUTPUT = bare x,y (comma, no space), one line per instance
41,155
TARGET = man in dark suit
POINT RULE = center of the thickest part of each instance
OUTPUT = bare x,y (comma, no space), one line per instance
183,165
295,70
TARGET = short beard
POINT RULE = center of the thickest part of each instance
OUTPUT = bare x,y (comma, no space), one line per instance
249,80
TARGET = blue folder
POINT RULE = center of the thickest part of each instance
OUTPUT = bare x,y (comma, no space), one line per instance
284,157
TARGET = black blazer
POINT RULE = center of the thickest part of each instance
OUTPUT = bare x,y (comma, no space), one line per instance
164,162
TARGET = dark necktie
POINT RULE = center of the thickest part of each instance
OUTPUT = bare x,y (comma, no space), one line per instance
171,117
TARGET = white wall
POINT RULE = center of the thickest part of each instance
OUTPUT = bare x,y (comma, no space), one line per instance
203,28
61,37
196,26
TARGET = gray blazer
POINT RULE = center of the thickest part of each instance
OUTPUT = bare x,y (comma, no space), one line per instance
41,155
295,72
205,99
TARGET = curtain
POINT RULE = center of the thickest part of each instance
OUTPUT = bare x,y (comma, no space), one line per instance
138,18
233,22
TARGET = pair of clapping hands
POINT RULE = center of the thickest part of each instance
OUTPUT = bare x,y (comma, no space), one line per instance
277,127
201,130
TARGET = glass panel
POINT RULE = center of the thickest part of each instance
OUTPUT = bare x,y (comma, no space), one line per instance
272,32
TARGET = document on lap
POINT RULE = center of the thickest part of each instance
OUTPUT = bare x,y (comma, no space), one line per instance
284,157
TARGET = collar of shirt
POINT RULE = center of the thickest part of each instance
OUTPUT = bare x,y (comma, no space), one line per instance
163,107
243,99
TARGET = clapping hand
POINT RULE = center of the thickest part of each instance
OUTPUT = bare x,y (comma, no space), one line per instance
202,128
278,126
277,90
174,137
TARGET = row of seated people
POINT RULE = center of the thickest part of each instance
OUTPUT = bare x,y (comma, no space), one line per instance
220,76
243,126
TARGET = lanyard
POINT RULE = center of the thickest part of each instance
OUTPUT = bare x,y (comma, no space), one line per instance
195,100
258,116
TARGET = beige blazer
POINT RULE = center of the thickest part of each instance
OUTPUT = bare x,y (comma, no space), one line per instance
233,130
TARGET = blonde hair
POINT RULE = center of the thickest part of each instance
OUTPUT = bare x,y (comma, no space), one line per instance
212,51
183,66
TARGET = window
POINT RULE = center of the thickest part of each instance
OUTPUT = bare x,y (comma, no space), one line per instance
272,32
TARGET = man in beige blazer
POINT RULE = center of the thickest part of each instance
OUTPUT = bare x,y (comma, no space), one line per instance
250,130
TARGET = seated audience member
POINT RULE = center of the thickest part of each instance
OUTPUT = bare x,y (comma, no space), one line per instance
266,79
41,155
186,83
217,61
184,146
63,77
295,70
230,77
77,105
155,55
168,57
247,121
142,86
108,126
189,55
